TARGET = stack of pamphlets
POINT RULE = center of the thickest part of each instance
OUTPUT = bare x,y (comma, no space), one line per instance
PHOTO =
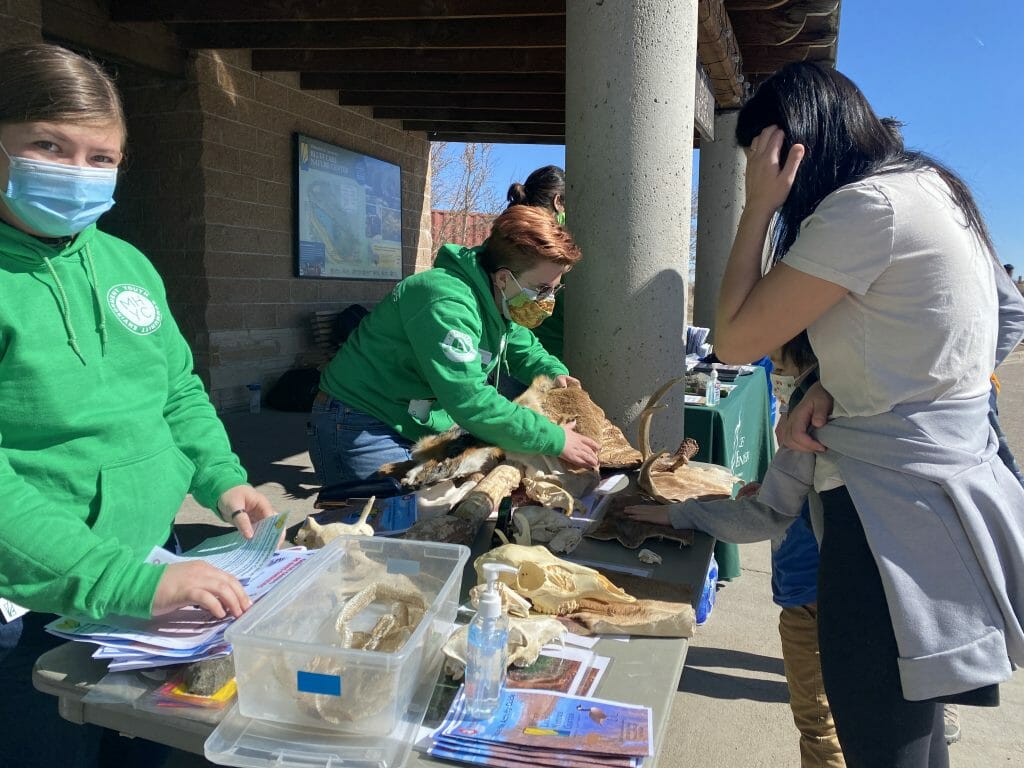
192,633
541,728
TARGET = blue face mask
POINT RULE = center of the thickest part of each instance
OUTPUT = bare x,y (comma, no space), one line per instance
54,199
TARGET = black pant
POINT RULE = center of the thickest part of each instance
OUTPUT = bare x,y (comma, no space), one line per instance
877,727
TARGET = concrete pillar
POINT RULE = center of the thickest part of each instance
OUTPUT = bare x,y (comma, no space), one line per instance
721,187
630,70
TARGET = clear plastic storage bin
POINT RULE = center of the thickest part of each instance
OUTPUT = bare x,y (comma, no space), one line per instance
301,652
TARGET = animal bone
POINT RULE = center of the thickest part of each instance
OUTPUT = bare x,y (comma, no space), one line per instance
675,478
312,535
537,525
550,494
488,493
511,603
526,637
552,585
647,556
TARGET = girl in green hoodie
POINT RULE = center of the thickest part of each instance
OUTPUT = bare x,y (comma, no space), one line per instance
104,428
431,354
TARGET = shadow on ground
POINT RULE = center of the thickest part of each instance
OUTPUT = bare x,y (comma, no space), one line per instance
703,675
273,449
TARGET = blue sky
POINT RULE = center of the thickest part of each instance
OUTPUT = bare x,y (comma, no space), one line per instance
947,70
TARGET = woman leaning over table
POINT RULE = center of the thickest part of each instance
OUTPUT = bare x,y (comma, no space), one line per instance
882,255
433,352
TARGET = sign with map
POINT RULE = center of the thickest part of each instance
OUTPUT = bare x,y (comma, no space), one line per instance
348,213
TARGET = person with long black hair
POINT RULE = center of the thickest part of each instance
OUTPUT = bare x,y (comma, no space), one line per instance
883,256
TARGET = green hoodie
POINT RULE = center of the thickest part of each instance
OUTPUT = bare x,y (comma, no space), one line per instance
103,426
420,361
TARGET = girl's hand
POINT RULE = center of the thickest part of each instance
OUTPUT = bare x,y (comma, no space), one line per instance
199,583
648,514
242,506
579,450
768,183
564,381
812,412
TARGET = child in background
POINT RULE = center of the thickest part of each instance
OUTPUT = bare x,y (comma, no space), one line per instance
794,565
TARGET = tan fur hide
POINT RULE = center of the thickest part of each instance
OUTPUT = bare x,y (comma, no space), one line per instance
456,453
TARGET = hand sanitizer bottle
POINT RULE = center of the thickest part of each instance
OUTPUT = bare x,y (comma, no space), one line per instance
487,651
714,390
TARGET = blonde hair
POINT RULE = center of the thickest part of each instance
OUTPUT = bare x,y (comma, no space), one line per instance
48,83
525,236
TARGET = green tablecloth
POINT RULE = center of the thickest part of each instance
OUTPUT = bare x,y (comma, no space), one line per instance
736,434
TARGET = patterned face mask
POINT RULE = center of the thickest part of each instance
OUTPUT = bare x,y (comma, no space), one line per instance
527,308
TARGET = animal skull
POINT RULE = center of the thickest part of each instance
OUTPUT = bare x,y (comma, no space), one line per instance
553,586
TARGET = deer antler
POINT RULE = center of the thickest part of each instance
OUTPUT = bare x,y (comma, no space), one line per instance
644,422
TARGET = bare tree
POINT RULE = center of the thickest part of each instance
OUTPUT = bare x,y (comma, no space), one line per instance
460,184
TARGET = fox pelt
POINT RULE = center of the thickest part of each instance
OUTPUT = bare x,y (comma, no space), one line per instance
456,453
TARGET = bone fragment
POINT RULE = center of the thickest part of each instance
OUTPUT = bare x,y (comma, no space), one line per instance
488,493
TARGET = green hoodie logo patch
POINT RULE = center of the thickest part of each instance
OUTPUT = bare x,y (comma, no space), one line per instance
133,307
458,347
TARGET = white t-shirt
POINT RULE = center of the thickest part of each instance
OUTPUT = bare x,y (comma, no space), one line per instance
919,323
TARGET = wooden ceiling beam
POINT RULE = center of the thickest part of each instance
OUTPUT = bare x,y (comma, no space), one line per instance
719,53
521,101
497,60
536,32
766,60
455,115
495,138
787,25
486,127
176,11
445,82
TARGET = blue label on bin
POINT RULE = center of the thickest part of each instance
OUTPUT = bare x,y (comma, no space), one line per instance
406,567
314,682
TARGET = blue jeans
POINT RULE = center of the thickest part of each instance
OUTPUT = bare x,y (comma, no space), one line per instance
347,445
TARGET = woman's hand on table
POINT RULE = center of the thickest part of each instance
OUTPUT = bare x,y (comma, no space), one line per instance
812,412
579,450
658,515
243,506
199,583
566,381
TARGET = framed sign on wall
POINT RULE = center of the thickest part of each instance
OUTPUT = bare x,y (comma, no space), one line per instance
348,213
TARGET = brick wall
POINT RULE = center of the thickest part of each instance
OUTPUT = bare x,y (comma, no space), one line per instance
258,312
206,191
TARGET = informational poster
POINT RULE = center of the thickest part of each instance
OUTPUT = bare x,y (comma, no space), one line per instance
348,213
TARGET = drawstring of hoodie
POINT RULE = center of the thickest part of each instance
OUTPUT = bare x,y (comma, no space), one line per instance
65,310
94,283
65,306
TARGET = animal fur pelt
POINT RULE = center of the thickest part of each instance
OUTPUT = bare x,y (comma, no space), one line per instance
456,453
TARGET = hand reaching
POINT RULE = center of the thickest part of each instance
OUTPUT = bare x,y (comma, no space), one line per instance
242,506
579,450
565,381
199,583
658,515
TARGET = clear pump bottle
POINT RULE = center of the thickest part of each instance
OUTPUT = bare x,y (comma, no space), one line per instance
714,390
487,651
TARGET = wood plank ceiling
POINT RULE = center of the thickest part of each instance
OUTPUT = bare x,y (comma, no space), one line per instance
467,70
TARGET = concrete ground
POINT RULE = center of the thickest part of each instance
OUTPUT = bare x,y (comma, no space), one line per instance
731,708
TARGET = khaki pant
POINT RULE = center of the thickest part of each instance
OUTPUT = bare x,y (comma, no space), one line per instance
819,745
